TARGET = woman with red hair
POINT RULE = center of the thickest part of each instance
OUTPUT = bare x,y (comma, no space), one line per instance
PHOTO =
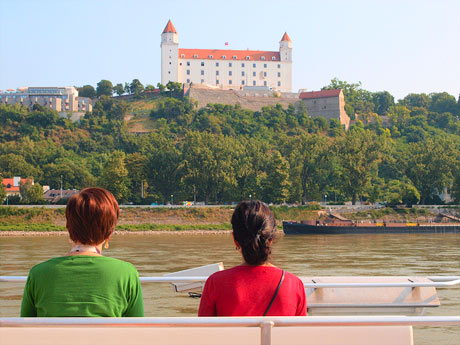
83,282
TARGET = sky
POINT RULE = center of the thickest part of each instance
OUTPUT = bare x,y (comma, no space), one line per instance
399,46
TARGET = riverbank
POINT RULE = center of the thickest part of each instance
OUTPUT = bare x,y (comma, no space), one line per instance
43,221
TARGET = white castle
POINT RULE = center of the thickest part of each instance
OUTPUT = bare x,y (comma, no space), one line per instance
224,68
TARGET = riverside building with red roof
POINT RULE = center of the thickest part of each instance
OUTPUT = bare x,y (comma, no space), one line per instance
225,68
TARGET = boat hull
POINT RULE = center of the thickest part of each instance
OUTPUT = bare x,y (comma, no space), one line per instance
307,229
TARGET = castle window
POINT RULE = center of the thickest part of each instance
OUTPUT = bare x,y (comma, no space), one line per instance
217,81
279,74
211,57
202,63
230,82
279,83
229,72
182,55
242,73
234,57
217,72
247,57
265,65
242,82
253,74
253,83
262,58
229,64
279,66
224,57
202,81
188,72
265,83
273,58
242,65
188,81
265,74
202,72
188,63
254,65
217,64
195,56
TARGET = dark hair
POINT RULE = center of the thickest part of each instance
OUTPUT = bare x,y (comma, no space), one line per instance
254,228
91,216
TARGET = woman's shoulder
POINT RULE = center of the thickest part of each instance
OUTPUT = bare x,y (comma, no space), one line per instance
115,264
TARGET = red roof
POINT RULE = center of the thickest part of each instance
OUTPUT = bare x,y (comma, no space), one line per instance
320,94
285,37
218,54
170,27
12,187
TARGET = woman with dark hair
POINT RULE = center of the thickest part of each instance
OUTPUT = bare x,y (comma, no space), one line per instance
256,287
83,282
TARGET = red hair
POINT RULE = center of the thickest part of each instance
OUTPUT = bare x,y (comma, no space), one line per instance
91,216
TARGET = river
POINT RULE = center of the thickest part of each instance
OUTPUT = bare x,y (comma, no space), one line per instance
321,255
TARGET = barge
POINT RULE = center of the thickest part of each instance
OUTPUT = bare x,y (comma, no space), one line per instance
348,227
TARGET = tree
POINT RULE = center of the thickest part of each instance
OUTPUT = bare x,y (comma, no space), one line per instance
456,187
314,153
359,153
87,91
104,88
149,87
119,89
429,164
31,193
175,88
161,87
136,163
2,192
136,87
127,88
382,102
115,176
443,103
275,185
412,100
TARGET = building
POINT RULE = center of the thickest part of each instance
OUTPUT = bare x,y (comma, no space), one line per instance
224,68
329,104
61,99
13,185
55,195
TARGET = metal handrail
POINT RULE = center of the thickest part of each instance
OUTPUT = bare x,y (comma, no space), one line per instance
435,284
265,324
280,321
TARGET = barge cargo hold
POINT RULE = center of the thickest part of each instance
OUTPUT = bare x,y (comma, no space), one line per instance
305,228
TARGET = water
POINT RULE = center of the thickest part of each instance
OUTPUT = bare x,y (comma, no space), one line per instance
321,255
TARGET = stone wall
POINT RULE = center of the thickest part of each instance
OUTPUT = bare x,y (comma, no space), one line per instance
205,95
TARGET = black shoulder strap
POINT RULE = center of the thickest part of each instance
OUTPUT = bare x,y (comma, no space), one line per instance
276,293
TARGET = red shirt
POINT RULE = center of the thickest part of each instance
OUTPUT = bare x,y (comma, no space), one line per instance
248,290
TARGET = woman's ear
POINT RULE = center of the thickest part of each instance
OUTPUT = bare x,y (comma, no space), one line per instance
236,243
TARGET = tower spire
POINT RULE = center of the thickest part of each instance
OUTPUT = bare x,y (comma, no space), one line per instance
170,27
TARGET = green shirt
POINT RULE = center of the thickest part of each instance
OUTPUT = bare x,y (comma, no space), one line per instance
82,285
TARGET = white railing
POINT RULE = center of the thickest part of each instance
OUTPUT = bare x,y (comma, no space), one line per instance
437,282
264,323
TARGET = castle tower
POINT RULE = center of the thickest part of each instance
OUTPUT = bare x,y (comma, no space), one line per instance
286,48
169,54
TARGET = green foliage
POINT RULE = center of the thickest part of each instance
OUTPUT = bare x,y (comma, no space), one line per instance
119,89
136,87
2,192
224,153
104,88
87,91
31,193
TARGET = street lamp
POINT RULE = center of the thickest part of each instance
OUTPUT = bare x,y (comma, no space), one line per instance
172,199
250,197
325,199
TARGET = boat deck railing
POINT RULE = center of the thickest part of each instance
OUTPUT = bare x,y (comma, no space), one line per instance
436,282
266,324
